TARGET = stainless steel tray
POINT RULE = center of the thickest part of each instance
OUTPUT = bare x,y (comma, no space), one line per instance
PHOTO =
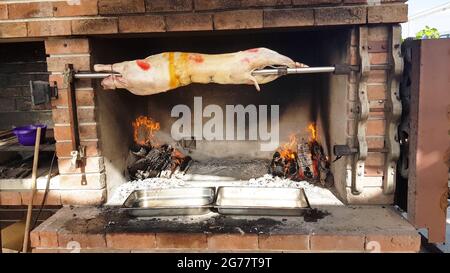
170,202
261,201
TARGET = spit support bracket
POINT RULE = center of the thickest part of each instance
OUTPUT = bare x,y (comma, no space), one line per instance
78,151
393,102
343,150
358,168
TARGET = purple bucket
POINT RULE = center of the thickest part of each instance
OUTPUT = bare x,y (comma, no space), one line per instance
27,134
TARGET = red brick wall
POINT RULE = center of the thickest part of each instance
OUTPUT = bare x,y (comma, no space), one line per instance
76,51
58,18
67,189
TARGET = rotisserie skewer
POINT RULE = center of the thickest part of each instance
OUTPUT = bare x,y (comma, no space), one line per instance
169,70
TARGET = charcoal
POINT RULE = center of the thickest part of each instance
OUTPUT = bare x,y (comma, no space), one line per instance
141,153
291,168
276,167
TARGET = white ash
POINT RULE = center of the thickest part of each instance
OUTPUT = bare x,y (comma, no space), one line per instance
316,195
278,182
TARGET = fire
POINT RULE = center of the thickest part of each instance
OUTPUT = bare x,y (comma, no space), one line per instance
303,159
177,154
144,130
313,131
287,150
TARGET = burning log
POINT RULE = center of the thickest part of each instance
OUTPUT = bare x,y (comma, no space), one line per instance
276,167
179,161
302,161
321,165
305,161
146,160
155,161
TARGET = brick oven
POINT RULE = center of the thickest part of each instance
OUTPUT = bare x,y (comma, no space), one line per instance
358,110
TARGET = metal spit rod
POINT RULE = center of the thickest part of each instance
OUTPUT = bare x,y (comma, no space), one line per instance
303,70
262,72
338,69
89,75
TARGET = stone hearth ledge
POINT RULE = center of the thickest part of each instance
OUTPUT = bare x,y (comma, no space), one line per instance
330,229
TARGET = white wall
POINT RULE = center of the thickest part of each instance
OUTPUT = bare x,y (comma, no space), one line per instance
439,20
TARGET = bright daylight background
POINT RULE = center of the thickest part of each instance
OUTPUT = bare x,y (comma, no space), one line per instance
432,13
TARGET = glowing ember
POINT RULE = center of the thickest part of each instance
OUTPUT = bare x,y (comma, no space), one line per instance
177,154
144,130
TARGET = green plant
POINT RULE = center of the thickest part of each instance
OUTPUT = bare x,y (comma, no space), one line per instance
428,33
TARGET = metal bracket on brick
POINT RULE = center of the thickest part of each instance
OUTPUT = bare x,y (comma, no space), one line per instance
78,152
393,103
361,123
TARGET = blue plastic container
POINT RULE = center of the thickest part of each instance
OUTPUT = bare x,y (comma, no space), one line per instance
27,134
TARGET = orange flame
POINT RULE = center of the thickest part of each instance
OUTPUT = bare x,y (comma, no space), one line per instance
313,131
287,150
144,130
176,153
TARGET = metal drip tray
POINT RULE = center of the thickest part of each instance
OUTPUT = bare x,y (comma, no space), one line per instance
169,202
261,201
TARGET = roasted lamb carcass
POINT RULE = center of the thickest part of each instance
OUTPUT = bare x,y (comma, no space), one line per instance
165,71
